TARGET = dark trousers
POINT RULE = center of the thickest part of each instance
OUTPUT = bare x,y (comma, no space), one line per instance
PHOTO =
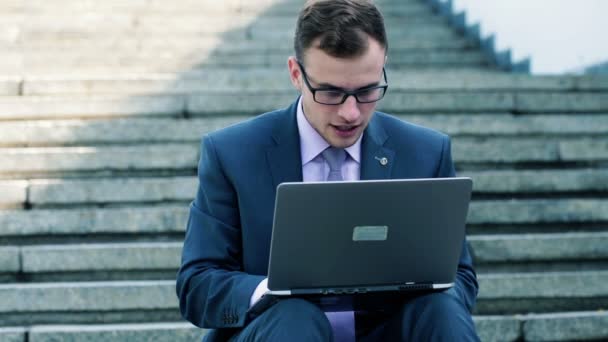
431,317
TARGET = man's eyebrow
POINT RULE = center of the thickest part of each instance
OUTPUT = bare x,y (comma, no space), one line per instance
333,87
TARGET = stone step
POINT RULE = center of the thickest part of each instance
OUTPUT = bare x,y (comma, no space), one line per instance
23,108
203,46
551,327
418,20
127,301
263,7
136,221
126,158
579,326
38,161
539,181
51,192
146,190
542,292
169,62
472,102
10,86
253,34
13,193
248,103
538,211
13,334
144,221
9,260
275,79
88,302
88,258
539,252
544,327
488,251
151,130
141,332
567,326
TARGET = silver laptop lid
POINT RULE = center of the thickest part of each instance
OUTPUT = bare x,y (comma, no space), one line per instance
367,233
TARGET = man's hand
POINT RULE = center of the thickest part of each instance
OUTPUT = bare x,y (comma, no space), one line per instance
259,292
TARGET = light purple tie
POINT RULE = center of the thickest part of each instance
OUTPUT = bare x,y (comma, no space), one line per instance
342,323
334,157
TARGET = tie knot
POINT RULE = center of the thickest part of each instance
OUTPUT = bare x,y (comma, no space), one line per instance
334,157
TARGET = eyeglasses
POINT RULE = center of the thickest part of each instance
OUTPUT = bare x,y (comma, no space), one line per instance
337,96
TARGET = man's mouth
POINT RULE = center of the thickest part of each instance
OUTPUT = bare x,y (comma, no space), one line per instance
345,131
345,128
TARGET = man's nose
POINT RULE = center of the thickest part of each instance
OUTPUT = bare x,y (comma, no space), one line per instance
349,110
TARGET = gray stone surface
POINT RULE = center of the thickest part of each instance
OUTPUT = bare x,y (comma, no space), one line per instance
567,326
157,332
88,296
9,259
477,79
497,328
97,257
549,285
100,131
100,106
538,211
504,150
9,86
208,7
584,149
57,222
62,159
137,130
112,190
201,46
559,102
12,335
205,104
539,247
538,181
226,79
447,102
173,218
13,192
592,82
183,188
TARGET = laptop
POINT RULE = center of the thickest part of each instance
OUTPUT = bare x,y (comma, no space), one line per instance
333,242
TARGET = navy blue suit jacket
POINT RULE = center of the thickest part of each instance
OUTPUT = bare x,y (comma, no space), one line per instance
227,242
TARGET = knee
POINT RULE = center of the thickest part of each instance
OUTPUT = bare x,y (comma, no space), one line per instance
288,320
302,314
298,309
438,305
438,316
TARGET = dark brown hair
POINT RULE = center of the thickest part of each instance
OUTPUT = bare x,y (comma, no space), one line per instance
341,25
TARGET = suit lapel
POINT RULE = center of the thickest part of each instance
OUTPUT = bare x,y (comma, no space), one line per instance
284,158
376,160
285,162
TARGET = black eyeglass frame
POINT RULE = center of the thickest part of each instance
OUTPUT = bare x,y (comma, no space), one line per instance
347,93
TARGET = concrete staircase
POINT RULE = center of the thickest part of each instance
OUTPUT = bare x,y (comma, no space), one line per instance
102,105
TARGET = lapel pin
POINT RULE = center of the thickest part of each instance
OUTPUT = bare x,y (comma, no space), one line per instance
383,161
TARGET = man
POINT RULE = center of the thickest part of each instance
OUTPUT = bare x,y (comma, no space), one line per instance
340,48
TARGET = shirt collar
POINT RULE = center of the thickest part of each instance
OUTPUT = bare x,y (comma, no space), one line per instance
312,143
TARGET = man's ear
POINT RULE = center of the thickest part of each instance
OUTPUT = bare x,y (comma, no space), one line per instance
295,73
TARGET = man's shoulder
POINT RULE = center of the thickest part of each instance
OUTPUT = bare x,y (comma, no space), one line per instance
399,129
253,130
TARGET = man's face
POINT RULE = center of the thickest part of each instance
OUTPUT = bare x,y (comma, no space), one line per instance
340,125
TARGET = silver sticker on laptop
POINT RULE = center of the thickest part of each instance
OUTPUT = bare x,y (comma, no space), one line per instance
370,233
